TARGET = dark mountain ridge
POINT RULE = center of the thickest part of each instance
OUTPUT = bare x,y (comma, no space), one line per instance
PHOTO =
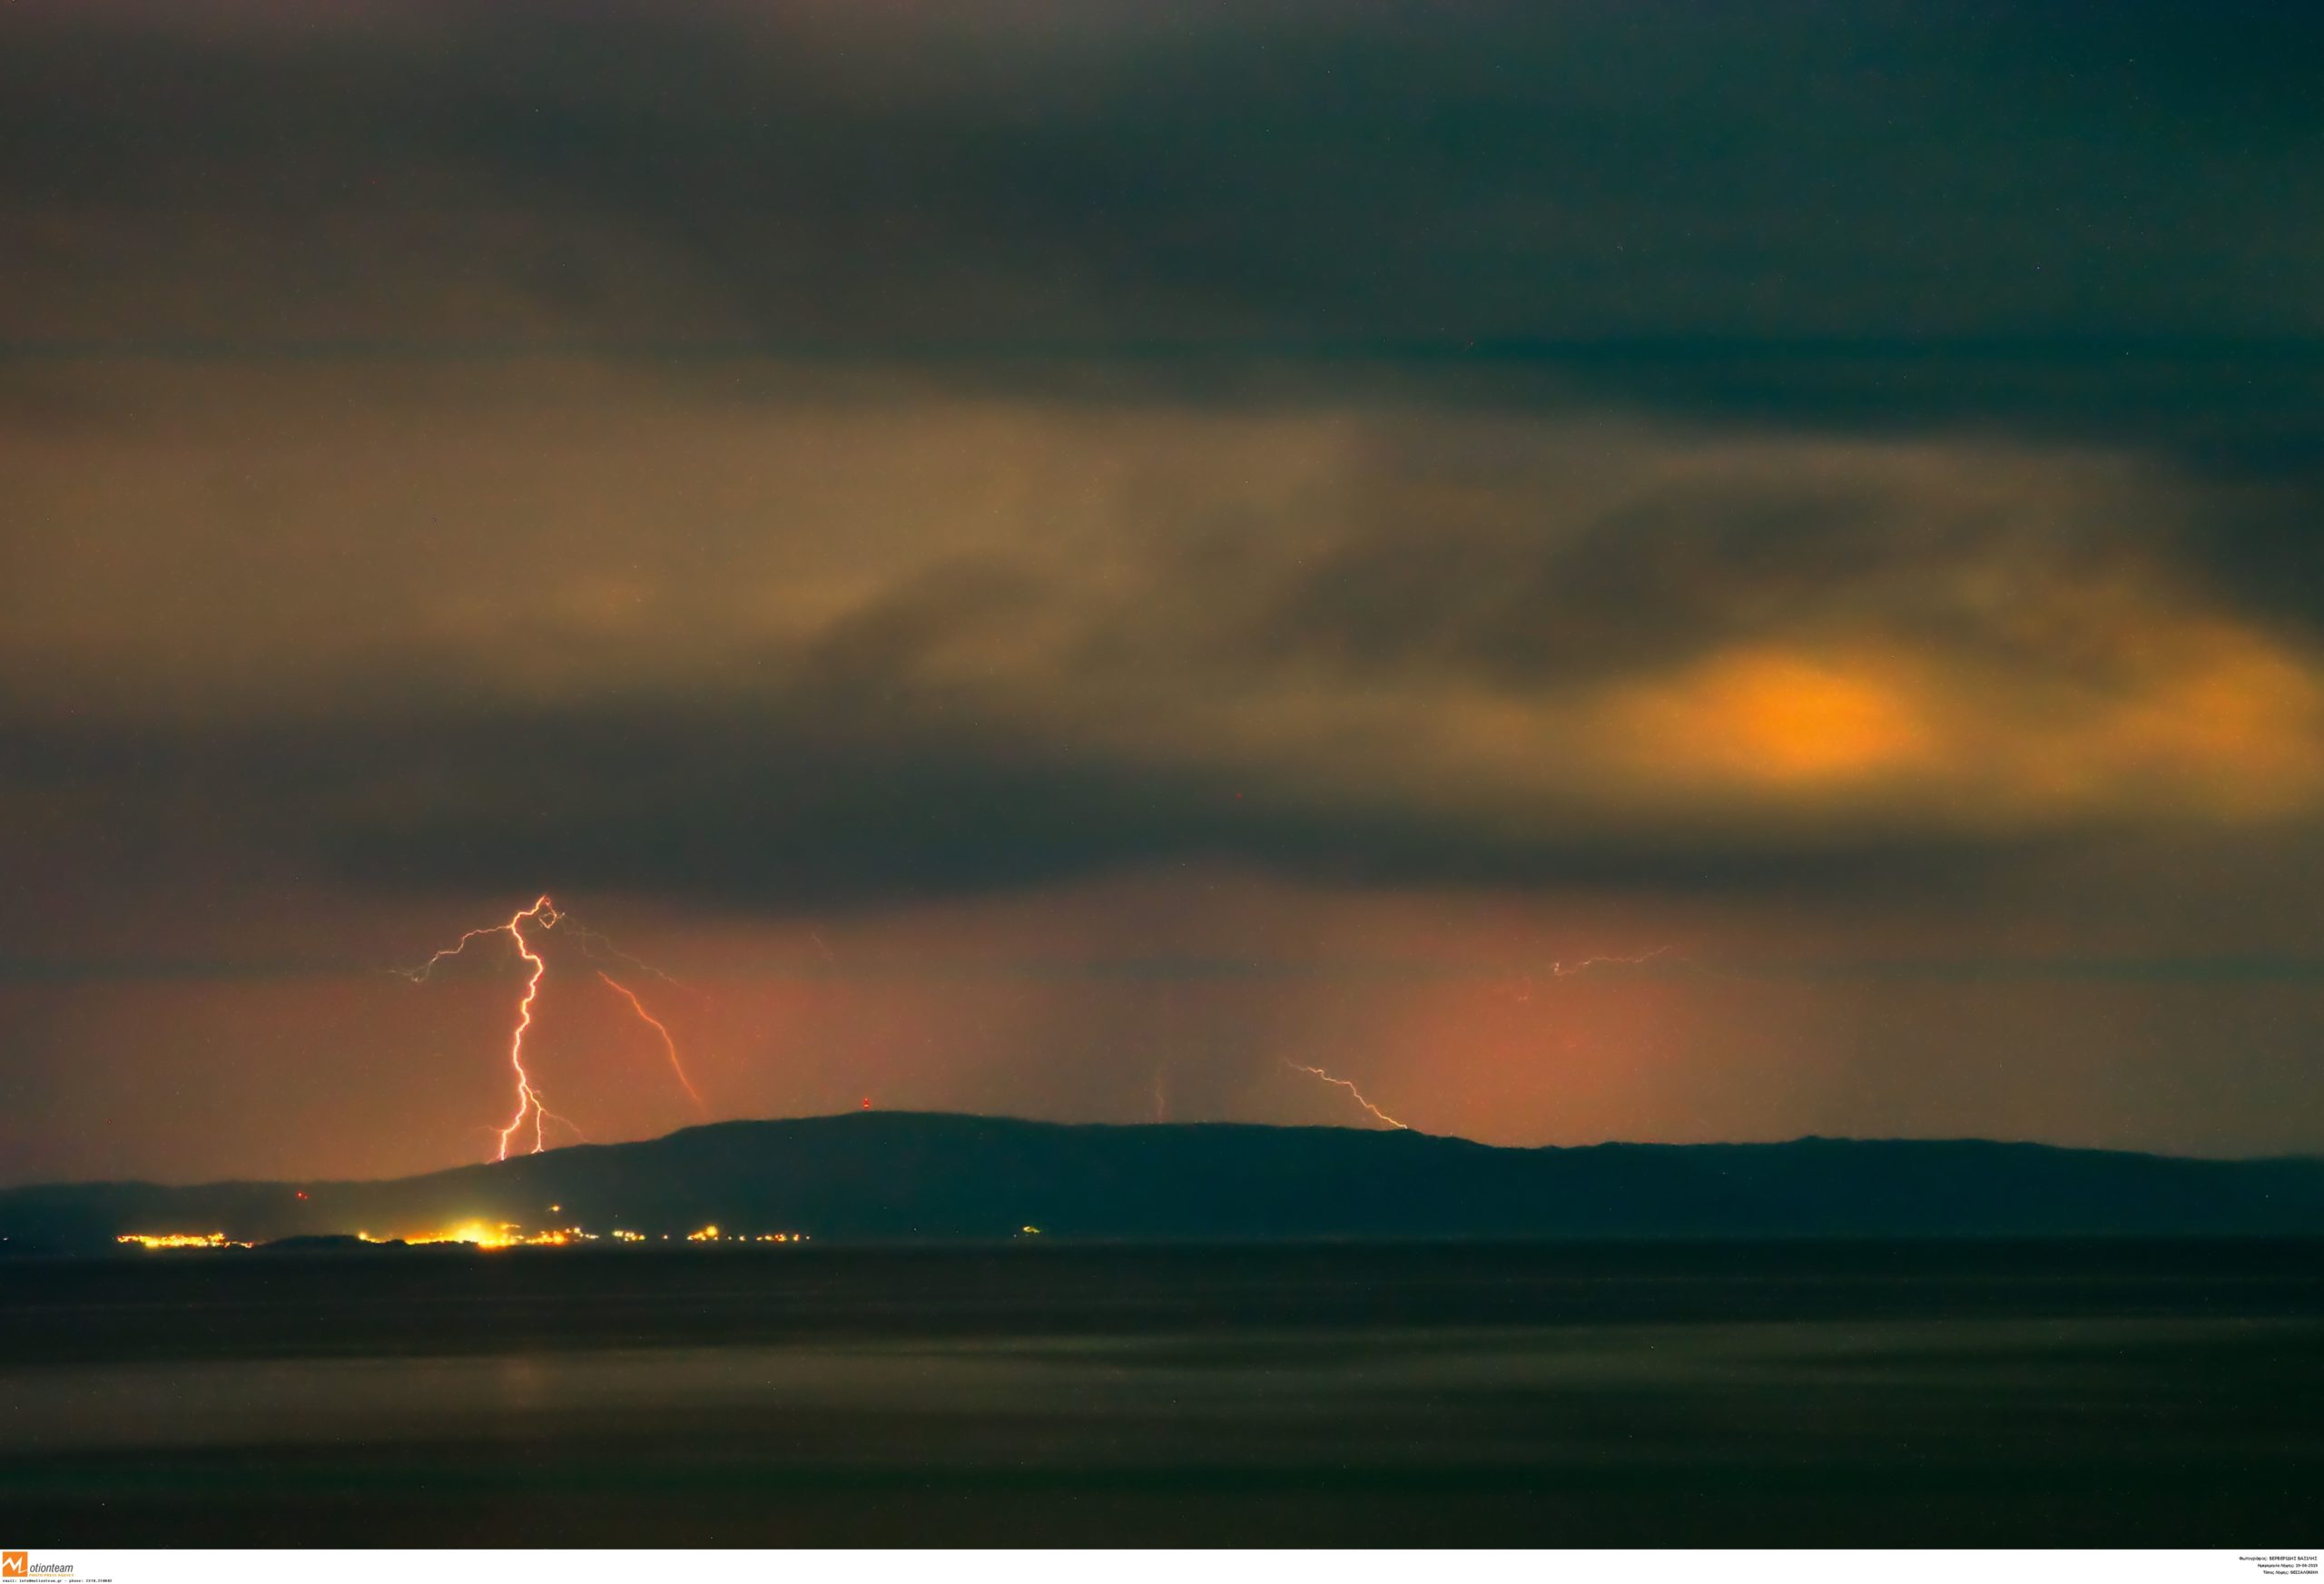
934,1177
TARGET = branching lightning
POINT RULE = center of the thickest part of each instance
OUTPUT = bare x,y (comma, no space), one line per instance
530,1107
1317,1072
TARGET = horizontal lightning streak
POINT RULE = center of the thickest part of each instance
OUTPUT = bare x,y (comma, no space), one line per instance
1583,965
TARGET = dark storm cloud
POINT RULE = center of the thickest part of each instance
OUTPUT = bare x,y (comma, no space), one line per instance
1206,176
1226,170
803,808
2053,223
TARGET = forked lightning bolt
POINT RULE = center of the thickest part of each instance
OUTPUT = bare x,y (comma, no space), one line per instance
1317,1072
529,1105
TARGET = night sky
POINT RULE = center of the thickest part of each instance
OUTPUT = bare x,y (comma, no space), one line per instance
1058,557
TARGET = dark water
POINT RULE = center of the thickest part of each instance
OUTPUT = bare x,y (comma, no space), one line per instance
2133,1395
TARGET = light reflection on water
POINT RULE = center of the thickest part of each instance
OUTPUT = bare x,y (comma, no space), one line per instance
1529,1390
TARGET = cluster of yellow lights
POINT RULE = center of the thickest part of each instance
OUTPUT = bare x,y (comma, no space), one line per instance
481,1234
476,1233
499,1234
508,1234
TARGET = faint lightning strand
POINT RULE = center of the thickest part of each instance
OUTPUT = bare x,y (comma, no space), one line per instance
595,943
668,1043
1583,965
1691,967
1343,1083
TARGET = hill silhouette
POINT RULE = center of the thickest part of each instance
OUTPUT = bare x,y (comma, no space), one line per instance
927,1176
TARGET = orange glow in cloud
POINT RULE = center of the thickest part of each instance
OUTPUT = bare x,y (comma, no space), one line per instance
2196,718
2238,726
1780,721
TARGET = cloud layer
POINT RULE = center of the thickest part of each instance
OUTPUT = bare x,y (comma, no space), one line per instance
818,640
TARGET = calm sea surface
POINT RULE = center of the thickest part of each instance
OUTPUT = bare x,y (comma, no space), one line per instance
1799,1394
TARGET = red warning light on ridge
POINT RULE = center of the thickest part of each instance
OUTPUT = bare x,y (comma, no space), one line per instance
867,1102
